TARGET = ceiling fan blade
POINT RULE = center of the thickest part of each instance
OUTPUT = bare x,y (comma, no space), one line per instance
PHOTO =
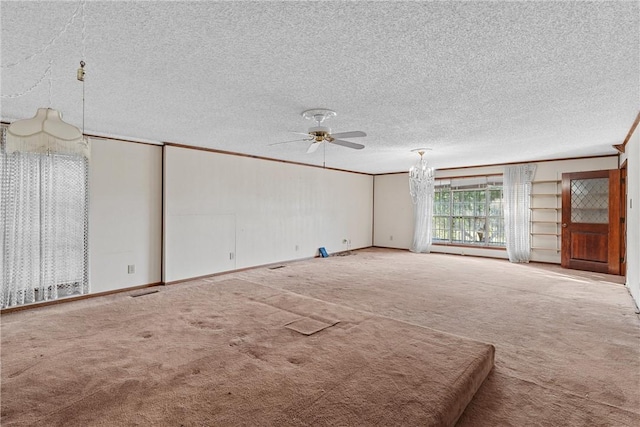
286,142
347,144
313,147
352,134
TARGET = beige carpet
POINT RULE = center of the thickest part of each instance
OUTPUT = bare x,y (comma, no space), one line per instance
230,353
567,342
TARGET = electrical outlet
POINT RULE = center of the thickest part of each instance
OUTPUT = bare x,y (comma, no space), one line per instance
231,255
390,237
131,268
297,247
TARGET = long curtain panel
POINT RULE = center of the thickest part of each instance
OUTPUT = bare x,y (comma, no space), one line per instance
421,189
43,225
517,210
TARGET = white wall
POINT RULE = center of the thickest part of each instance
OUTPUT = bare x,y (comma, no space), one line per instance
632,156
393,211
225,212
125,214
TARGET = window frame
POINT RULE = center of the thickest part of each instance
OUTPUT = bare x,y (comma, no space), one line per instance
456,186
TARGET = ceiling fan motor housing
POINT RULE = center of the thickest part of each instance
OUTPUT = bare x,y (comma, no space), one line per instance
320,133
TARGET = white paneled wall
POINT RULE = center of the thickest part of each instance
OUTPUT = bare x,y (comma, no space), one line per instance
632,156
225,212
125,214
393,211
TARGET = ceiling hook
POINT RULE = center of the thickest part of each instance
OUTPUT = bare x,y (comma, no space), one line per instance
81,71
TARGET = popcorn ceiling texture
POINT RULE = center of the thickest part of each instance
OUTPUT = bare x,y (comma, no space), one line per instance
479,82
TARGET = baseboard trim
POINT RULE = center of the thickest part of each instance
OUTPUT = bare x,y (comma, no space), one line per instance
149,285
222,273
390,247
442,252
74,298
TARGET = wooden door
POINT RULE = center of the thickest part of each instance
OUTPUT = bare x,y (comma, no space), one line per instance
591,221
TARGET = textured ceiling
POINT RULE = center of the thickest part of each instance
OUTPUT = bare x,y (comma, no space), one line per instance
478,82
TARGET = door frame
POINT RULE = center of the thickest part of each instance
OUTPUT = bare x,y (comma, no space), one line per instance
623,219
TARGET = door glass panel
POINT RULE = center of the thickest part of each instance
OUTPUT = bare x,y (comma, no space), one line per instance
590,200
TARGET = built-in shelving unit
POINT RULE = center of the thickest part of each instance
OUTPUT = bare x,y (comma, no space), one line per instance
546,215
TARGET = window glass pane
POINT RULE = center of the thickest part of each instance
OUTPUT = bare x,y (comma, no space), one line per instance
495,202
467,230
441,228
495,232
457,203
456,230
479,229
441,203
469,202
590,200
481,203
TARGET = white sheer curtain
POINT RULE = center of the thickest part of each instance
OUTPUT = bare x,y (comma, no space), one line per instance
43,225
517,212
421,189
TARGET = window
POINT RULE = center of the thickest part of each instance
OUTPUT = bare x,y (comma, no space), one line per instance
468,211
43,226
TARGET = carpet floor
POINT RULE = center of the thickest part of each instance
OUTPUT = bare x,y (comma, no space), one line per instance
231,353
567,348
567,342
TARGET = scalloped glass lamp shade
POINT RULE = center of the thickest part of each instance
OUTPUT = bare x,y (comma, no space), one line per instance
46,132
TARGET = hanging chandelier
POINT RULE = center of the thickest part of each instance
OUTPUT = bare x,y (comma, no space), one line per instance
421,176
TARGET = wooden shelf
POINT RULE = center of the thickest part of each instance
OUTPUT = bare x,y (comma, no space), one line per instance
549,239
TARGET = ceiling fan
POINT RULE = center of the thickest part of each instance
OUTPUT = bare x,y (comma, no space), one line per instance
319,134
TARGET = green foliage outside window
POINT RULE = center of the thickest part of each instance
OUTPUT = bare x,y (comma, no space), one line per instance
469,211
